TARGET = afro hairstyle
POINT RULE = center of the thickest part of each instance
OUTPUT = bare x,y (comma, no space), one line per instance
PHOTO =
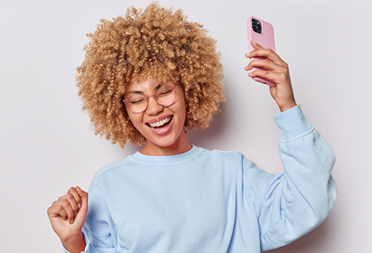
157,43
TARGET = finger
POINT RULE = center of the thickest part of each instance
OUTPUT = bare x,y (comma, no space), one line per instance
61,212
83,196
256,45
69,211
266,53
277,78
70,198
81,192
76,195
80,217
57,210
267,64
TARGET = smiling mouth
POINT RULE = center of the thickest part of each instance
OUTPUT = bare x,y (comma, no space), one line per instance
160,124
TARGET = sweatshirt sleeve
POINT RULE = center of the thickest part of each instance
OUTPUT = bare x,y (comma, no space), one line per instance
99,231
291,204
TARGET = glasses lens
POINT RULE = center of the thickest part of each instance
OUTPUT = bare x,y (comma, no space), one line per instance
137,103
165,96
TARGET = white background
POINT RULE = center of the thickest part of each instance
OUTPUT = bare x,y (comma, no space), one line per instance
47,144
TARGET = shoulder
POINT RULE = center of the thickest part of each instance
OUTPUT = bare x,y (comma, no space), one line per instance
225,155
229,157
111,169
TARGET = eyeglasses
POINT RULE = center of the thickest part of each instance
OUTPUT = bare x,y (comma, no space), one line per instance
165,96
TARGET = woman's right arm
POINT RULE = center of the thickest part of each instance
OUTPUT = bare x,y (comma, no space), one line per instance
67,216
92,228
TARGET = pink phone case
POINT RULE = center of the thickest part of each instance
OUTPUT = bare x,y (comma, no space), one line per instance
265,39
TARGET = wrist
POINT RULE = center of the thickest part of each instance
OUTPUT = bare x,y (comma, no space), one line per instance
75,243
287,106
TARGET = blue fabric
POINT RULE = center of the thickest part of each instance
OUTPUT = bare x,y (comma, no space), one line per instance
212,201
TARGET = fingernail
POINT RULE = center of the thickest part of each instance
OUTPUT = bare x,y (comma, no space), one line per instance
254,42
247,54
79,205
72,220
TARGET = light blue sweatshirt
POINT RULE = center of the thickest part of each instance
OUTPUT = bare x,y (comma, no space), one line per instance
212,201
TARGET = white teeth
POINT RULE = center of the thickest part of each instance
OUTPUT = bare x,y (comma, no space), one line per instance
160,123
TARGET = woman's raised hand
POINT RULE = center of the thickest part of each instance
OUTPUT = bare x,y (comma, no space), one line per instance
67,216
277,71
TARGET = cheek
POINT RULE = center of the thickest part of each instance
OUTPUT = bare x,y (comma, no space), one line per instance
181,112
135,118
137,121
181,105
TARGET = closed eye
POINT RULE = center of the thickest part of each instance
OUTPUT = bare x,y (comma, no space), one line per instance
165,93
136,101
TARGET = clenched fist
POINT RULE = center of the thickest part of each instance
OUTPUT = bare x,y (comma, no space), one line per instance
67,216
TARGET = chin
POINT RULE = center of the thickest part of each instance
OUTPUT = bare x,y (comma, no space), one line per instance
164,141
171,139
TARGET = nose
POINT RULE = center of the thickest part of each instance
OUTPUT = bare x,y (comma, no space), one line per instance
153,107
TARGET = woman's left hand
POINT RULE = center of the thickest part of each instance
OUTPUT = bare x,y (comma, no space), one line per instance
278,72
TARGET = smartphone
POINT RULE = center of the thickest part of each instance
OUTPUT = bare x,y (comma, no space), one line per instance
261,32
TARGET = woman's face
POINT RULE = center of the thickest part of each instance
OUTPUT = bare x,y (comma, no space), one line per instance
163,127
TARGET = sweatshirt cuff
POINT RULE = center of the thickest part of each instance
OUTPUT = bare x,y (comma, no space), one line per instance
292,122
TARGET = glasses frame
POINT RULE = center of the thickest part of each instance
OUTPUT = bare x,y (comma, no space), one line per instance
156,99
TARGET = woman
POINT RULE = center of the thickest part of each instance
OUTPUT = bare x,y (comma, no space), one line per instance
148,77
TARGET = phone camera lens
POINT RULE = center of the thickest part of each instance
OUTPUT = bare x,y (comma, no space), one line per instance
256,26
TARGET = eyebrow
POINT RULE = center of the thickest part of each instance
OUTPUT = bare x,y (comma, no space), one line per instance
141,92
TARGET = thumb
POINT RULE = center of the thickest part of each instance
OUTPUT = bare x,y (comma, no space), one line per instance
83,210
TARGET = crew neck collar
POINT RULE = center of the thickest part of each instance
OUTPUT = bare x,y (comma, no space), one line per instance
167,159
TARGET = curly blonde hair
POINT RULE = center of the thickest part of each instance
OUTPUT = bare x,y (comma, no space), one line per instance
154,43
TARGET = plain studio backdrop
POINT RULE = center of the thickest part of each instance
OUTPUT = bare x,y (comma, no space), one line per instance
47,144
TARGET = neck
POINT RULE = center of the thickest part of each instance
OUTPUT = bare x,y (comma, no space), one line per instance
180,146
